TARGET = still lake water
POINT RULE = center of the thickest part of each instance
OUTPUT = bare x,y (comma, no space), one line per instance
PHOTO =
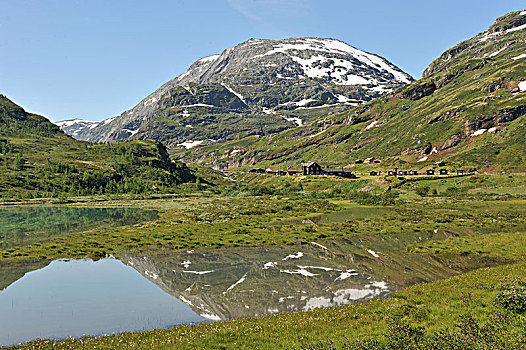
78,297
159,289
22,225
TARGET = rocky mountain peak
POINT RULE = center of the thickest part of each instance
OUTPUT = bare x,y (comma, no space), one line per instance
262,86
325,60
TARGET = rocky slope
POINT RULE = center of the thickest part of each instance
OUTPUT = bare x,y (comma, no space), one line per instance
468,108
258,87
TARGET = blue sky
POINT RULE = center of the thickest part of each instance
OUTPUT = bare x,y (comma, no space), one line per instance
93,59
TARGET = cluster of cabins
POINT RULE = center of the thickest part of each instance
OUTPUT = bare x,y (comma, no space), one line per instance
310,168
313,168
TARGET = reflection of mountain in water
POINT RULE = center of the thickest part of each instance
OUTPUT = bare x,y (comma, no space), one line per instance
227,284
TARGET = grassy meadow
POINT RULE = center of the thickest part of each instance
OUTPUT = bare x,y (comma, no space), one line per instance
467,231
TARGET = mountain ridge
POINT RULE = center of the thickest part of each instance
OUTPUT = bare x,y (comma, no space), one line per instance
468,108
263,85
38,160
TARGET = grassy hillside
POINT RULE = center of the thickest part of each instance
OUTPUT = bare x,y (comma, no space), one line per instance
467,109
38,160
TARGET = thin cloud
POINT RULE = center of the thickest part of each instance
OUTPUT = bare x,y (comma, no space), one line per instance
268,10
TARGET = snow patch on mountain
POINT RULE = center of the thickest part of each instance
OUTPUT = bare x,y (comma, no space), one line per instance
235,93
210,58
190,144
296,120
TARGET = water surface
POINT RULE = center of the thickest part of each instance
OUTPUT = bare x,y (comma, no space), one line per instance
82,297
22,225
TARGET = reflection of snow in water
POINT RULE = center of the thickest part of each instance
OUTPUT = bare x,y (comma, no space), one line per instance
151,274
346,274
293,256
276,276
197,272
345,296
210,317
270,264
316,267
238,282
302,272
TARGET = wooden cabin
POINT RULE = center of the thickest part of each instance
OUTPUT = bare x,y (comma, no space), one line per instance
430,172
347,173
413,172
311,168
280,173
391,173
443,171
373,173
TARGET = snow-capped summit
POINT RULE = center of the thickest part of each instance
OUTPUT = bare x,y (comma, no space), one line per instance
270,79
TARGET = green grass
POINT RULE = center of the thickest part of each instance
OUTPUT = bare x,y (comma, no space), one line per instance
216,222
38,160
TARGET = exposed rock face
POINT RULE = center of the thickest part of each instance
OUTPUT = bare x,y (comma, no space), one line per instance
510,114
260,84
419,91
451,142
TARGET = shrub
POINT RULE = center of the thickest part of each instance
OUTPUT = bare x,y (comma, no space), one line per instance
513,296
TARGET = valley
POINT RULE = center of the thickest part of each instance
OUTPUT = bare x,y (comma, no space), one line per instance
294,193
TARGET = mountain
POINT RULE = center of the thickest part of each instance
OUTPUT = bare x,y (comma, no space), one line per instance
468,108
38,160
258,87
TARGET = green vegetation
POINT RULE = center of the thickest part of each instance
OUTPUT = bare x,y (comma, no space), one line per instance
466,90
437,235
37,160
464,236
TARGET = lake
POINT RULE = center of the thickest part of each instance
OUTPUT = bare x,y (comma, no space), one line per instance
158,290
22,225
162,287
79,297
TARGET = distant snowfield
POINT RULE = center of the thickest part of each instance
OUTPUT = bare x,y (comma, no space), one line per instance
522,85
317,66
235,93
190,144
497,52
519,57
68,123
298,121
209,58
